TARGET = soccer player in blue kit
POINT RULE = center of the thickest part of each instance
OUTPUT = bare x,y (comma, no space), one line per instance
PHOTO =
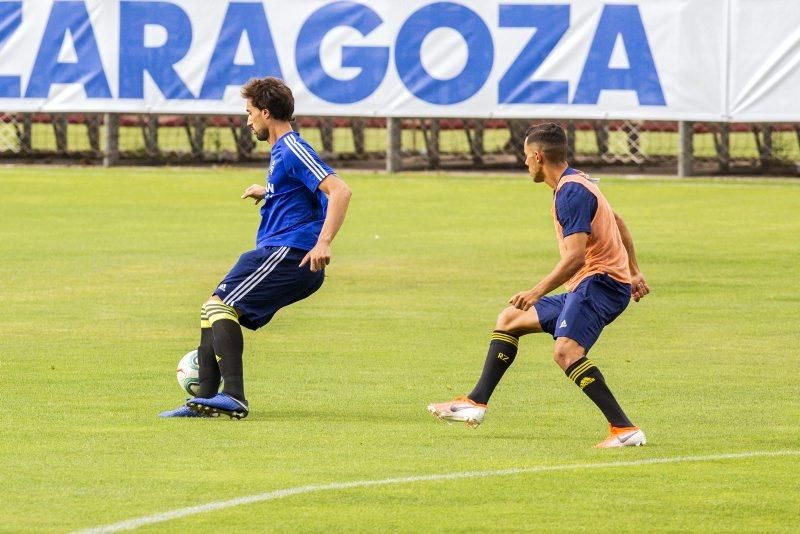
305,204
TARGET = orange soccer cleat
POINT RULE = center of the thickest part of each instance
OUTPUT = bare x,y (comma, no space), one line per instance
629,436
460,409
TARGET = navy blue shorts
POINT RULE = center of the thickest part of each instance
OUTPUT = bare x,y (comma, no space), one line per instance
265,280
583,313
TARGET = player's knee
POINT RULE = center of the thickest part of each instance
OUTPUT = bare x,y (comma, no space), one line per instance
507,319
559,356
516,321
566,352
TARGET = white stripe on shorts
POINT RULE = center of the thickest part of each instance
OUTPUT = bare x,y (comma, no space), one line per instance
257,276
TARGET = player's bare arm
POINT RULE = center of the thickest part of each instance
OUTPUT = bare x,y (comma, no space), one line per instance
639,287
572,259
255,191
338,194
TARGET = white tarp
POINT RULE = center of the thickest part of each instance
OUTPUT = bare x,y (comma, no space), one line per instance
705,60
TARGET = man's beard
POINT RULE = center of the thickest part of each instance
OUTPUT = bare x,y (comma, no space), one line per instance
262,136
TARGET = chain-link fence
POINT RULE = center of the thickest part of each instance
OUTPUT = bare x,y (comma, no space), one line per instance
627,146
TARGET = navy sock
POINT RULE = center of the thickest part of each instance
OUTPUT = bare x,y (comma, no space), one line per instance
501,354
228,348
589,378
209,370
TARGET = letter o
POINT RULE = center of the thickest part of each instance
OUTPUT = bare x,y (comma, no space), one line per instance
480,53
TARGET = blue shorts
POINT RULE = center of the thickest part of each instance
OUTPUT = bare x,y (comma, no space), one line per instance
265,280
583,313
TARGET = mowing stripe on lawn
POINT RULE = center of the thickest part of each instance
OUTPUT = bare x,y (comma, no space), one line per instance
137,522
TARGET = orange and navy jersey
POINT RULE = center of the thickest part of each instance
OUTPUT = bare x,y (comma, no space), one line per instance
579,206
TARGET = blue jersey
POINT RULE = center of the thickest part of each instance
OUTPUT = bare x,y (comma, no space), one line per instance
575,206
294,208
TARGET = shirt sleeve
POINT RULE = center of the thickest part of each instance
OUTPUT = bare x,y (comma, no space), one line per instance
575,208
303,163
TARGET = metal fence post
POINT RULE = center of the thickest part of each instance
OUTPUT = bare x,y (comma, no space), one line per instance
571,140
474,130
767,154
394,162
722,142
60,132
93,132
111,152
433,129
516,142
150,135
197,136
358,126
685,150
601,134
25,135
326,134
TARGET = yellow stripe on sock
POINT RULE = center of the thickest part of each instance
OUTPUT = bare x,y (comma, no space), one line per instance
505,337
509,339
220,311
579,370
204,322
585,366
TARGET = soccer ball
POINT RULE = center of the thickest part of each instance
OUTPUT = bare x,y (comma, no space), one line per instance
189,373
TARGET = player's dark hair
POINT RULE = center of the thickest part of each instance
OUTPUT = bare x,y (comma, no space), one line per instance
551,138
271,94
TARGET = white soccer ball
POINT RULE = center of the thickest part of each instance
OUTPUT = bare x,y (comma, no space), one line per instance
189,373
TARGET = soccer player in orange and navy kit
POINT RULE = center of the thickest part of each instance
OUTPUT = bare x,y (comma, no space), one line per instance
305,204
599,270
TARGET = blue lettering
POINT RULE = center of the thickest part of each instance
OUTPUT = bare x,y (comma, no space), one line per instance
372,60
480,50
135,58
619,25
87,70
641,76
10,19
241,18
551,23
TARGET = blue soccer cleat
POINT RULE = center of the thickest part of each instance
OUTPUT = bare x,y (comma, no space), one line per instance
183,411
221,403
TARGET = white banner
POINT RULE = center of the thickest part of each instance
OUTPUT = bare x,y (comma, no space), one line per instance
765,66
644,59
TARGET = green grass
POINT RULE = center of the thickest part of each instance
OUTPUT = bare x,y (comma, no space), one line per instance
104,273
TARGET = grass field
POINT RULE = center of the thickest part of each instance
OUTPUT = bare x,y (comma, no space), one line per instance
104,273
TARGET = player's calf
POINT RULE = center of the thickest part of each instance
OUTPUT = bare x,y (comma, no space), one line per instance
228,345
